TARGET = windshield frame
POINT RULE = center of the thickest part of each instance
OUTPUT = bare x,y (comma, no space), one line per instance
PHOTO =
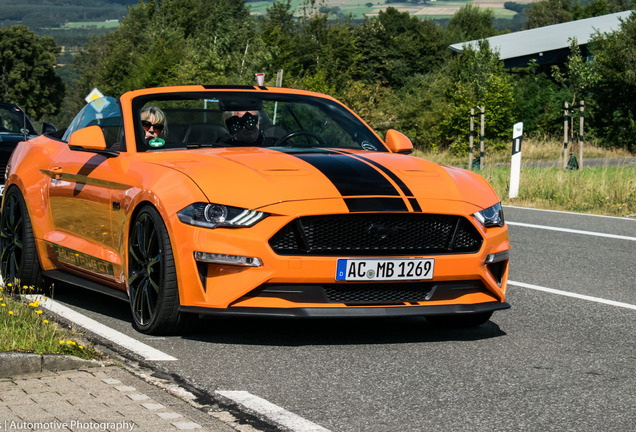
345,118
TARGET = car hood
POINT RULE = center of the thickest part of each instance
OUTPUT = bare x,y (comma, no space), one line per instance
257,177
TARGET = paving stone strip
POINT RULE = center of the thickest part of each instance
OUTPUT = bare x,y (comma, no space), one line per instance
96,399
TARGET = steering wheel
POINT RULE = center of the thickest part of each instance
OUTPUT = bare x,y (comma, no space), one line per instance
291,135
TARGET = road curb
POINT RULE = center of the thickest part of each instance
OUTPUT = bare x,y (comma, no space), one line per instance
13,363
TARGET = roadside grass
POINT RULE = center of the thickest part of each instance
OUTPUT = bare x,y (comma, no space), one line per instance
598,190
532,150
25,328
606,190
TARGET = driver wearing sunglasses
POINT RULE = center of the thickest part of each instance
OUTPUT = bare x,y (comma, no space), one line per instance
243,127
153,121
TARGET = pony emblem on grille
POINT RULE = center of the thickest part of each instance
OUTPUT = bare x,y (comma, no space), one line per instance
382,232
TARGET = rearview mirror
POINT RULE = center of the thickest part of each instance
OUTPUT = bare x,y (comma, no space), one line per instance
398,142
89,138
48,128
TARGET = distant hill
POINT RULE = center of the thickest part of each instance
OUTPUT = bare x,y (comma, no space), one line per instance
419,8
55,13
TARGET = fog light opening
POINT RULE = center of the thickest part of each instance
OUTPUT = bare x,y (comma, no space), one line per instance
228,259
497,270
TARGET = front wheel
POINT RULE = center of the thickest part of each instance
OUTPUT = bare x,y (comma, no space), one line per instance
467,320
152,277
19,262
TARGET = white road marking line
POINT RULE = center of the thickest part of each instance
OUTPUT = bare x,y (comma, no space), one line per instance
273,412
571,294
568,230
567,212
146,351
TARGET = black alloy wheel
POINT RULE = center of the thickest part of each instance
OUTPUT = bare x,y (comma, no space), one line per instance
152,278
19,263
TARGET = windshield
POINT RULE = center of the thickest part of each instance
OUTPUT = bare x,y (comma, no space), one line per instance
103,112
225,119
12,121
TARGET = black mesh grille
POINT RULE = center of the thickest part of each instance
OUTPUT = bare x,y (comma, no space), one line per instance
467,236
377,292
376,234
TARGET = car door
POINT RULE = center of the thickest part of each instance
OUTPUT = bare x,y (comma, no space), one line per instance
80,196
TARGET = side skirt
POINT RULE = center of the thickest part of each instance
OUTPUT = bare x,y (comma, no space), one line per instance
83,283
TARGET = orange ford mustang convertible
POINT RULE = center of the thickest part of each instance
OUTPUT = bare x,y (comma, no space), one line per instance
250,201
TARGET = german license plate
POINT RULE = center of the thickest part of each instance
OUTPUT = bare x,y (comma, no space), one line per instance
385,269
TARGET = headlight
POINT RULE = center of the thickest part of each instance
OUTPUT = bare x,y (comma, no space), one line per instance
492,216
216,215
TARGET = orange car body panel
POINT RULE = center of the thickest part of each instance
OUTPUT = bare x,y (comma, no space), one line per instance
71,196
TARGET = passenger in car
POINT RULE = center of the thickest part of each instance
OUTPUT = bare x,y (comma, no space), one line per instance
154,122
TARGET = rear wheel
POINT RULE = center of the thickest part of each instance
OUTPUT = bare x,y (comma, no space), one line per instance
19,263
468,320
152,277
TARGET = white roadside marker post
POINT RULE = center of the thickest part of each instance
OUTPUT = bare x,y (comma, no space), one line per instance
515,162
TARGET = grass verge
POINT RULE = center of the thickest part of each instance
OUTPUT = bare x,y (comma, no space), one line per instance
24,327
532,150
598,190
604,191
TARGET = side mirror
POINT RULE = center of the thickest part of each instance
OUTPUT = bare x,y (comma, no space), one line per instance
398,142
88,138
48,129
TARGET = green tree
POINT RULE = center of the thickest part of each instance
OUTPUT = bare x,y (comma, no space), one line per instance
478,80
316,51
471,23
417,109
548,12
614,93
591,9
395,46
27,71
168,42
538,102
579,74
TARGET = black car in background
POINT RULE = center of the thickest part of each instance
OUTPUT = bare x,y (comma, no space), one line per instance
14,124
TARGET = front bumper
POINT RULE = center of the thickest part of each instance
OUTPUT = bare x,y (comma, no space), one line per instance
224,289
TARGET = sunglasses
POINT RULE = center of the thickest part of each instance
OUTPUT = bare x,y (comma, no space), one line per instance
147,125
235,123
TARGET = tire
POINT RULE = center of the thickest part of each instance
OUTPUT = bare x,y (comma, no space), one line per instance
19,262
152,279
458,321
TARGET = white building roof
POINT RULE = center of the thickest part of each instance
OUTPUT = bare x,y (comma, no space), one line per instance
527,44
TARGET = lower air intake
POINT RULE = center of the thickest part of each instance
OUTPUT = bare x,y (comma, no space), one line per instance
378,292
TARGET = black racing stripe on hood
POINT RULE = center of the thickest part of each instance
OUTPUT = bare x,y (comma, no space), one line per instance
398,181
349,175
415,205
375,204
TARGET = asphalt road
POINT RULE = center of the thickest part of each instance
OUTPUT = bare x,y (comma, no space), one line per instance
551,363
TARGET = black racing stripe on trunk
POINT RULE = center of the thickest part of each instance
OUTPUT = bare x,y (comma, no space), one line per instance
357,205
398,181
349,175
415,205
